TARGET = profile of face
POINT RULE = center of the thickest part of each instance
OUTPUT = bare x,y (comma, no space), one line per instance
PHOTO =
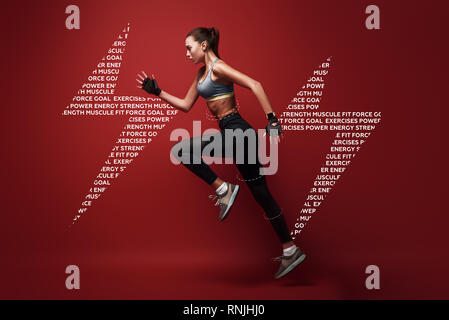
195,50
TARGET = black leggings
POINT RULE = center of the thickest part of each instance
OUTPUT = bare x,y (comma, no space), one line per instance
238,137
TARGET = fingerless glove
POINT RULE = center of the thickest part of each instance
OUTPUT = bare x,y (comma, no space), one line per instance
273,130
150,86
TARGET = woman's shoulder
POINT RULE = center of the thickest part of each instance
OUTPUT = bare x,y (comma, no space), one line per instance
220,62
219,65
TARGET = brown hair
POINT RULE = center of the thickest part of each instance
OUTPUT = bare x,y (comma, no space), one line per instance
211,35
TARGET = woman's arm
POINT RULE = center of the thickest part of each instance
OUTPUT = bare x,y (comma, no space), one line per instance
222,70
182,104
262,97
174,101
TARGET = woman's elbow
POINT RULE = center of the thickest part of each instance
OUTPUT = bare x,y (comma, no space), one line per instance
186,108
256,85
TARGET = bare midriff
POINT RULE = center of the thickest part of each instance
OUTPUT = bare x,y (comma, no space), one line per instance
222,107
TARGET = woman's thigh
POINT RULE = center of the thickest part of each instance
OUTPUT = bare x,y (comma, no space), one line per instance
238,141
191,150
245,148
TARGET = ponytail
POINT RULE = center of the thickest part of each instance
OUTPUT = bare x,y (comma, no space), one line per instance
214,39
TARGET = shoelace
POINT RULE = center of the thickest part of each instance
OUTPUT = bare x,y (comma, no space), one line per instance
214,196
282,257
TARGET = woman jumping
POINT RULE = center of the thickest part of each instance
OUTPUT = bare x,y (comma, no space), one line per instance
216,85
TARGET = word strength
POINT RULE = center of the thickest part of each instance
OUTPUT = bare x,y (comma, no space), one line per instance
230,309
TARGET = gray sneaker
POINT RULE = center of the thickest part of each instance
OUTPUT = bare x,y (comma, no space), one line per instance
226,201
289,263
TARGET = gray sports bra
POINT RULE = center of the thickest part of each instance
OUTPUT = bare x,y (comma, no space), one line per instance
212,90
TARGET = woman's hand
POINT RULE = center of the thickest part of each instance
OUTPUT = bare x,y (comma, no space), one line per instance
148,84
274,129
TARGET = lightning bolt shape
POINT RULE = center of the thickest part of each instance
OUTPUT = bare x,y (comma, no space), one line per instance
148,115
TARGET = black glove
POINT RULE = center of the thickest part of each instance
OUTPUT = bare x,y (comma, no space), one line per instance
150,86
273,130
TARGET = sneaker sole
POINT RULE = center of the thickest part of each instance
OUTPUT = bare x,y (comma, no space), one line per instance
292,266
231,202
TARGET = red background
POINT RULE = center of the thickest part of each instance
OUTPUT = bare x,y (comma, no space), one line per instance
154,234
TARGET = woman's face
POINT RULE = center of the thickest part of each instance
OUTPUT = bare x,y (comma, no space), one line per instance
194,50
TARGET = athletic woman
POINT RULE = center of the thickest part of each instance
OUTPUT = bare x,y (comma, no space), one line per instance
215,82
